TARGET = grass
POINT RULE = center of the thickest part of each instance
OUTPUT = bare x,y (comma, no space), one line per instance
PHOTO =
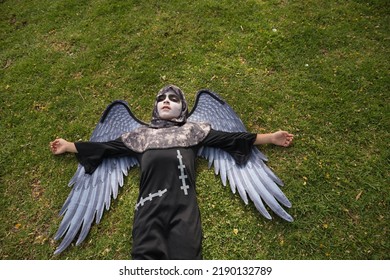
319,69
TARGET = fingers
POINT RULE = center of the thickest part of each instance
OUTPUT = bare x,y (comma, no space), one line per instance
288,135
288,138
54,145
282,138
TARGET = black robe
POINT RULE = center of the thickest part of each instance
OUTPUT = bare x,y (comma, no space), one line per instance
167,220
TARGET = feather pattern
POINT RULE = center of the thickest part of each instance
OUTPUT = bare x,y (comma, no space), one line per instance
254,179
91,194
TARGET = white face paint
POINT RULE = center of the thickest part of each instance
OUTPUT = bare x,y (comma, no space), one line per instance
169,106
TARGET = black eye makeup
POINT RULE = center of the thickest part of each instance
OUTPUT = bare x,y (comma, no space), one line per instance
171,97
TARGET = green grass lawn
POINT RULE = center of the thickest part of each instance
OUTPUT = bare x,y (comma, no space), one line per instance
319,69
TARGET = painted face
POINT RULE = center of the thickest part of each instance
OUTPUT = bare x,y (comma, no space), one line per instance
169,105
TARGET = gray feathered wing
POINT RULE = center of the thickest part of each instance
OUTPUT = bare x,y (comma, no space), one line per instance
92,193
253,179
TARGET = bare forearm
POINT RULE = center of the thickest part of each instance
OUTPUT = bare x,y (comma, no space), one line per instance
280,138
71,148
262,139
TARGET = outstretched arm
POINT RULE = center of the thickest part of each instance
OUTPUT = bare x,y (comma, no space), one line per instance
279,138
60,146
91,154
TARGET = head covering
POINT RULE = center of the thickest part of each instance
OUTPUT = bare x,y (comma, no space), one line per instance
157,122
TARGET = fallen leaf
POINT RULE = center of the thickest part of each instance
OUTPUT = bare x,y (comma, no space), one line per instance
359,195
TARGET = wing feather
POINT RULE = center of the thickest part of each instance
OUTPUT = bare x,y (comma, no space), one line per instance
89,214
223,170
240,184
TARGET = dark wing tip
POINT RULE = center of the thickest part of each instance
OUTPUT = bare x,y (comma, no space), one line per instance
208,92
124,104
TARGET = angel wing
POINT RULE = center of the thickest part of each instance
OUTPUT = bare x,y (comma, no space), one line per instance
92,193
254,179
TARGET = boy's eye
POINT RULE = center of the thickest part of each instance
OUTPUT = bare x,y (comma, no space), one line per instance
161,98
171,97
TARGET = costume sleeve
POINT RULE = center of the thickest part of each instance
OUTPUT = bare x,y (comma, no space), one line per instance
238,144
91,154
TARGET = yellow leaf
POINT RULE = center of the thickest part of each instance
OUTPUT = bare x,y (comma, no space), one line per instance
359,195
235,231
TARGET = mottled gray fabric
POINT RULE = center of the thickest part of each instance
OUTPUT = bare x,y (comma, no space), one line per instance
146,138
